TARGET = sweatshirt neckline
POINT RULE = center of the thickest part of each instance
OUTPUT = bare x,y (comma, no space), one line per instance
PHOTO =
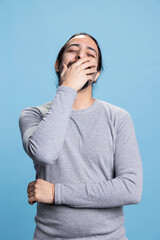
84,110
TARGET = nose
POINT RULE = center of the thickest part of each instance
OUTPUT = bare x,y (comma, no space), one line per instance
80,54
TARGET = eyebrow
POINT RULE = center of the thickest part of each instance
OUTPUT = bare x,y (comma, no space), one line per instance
77,45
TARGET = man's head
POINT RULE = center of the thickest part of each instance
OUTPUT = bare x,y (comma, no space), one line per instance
80,45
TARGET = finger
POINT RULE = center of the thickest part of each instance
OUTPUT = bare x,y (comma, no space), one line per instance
88,65
88,62
82,60
90,71
32,199
30,194
31,203
30,189
31,183
91,67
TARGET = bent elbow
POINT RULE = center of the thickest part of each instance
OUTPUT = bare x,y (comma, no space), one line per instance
44,159
138,190
134,190
136,195
39,155
136,199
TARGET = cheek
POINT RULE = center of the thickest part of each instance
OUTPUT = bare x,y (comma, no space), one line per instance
68,57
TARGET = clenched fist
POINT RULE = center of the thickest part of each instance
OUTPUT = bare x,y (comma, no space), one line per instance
40,191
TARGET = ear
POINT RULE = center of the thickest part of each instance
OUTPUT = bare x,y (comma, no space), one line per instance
57,66
97,75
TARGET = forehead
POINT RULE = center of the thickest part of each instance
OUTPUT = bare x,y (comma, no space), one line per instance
83,40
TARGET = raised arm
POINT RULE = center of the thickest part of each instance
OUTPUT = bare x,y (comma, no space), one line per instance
124,189
42,137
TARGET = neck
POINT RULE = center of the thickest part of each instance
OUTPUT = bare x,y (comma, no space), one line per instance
84,99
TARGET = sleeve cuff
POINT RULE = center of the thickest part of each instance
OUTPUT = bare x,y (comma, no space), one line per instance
58,194
68,89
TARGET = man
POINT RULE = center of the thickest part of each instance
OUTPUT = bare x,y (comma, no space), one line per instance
84,151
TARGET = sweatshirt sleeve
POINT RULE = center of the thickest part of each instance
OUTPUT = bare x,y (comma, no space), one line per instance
43,136
124,189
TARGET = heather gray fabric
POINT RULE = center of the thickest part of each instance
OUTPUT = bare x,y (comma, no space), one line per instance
92,157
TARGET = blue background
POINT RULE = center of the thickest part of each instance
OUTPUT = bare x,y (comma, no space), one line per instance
32,33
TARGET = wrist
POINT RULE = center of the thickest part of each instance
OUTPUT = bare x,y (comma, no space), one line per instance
67,85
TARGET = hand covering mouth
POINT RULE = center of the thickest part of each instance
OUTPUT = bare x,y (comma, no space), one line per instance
70,63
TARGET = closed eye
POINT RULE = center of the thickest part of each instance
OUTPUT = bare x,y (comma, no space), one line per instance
90,55
76,51
72,51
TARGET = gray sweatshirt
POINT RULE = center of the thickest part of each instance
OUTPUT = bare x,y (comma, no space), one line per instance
92,157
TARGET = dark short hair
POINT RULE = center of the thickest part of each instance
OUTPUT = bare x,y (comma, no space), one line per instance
60,54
